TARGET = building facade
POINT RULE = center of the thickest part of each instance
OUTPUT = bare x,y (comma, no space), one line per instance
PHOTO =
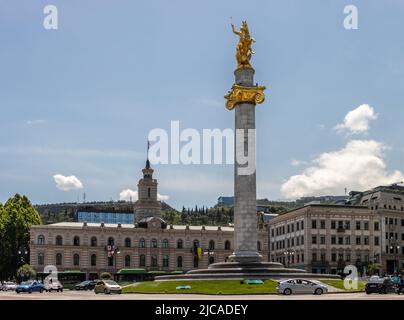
326,238
387,203
106,217
148,244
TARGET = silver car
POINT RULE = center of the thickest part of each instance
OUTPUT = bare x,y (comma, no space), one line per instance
107,287
300,286
8,286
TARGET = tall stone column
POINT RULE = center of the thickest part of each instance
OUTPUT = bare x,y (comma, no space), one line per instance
245,212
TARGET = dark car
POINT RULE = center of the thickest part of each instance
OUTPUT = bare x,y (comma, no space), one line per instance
400,287
30,286
384,286
86,285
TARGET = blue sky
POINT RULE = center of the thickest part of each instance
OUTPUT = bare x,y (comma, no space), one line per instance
82,99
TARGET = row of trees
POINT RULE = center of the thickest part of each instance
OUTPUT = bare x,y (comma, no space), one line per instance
201,216
17,215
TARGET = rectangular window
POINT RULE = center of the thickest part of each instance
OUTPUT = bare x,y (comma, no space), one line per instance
358,240
314,257
340,240
348,240
402,222
376,241
297,241
366,241
366,225
333,257
348,257
288,228
322,224
302,257
347,225
302,240
340,224
322,240
302,225
333,225
297,226
293,227
314,224
358,225
333,240
376,226
314,239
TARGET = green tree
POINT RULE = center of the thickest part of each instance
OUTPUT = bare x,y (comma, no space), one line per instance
16,218
26,272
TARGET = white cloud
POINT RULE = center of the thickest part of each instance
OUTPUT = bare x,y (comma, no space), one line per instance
128,195
131,195
297,163
34,122
357,120
67,183
357,166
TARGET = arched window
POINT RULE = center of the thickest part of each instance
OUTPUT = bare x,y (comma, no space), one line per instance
227,245
196,261
41,240
180,244
211,260
154,243
142,243
76,259
59,241
111,241
128,243
154,261
41,260
59,259
211,245
165,261
258,245
93,260
142,260
127,261
165,244
93,241
179,262
76,241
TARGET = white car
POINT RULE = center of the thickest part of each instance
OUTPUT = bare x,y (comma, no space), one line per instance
8,286
300,286
53,285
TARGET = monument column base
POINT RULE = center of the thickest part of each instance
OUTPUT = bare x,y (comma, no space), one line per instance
243,256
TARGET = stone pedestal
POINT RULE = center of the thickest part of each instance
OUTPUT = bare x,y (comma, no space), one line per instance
245,203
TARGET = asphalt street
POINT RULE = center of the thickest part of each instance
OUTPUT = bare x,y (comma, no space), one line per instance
90,295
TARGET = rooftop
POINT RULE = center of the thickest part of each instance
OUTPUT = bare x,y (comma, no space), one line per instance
79,225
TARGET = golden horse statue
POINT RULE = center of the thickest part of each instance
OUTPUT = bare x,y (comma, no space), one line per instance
244,50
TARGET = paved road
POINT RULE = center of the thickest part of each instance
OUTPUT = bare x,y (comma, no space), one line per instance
89,295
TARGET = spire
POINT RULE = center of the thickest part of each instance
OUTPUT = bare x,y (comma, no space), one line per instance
147,161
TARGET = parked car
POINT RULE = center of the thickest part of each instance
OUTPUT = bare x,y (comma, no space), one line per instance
400,287
291,286
107,287
86,285
8,286
383,285
30,286
54,285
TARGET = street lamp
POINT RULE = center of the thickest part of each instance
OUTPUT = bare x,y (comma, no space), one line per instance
395,247
112,252
22,254
288,253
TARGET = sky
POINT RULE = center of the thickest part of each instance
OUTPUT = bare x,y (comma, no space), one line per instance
77,103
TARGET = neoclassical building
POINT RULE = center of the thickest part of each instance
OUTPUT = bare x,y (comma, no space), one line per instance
149,244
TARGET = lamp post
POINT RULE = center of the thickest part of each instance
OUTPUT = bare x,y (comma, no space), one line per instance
395,247
112,252
22,254
288,253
